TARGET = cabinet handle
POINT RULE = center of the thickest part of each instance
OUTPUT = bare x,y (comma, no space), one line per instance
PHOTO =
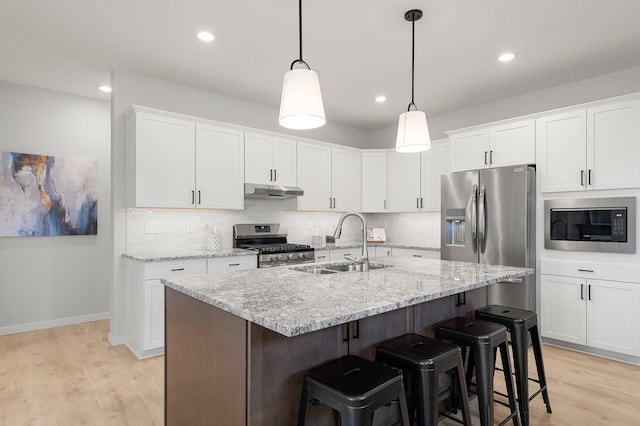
485,158
589,177
421,202
589,292
581,291
345,332
270,175
585,270
417,255
234,264
177,269
275,175
385,204
322,257
356,333
334,203
193,197
347,254
491,157
199,197
417,203
581,177
330,203
461,299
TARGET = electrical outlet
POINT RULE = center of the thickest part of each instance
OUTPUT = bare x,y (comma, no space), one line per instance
189,226
151,227
429,226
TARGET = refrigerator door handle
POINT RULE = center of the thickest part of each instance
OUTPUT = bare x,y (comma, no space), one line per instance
481,218
474,207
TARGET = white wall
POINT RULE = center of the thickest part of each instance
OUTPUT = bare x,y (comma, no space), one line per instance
52,281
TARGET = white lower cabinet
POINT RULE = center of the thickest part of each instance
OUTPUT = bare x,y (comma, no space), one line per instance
597,313
145,301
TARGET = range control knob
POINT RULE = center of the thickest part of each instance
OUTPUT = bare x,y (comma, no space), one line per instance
277,256
302,255
290,256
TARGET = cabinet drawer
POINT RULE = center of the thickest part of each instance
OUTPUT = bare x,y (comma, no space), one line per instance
174,268
231,263
591,270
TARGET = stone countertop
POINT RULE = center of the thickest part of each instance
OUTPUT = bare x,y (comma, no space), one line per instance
292,302
376,244
188,254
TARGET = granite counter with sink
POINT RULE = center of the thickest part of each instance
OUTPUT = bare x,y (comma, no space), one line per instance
237,344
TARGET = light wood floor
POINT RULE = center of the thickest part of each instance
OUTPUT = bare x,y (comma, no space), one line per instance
72,376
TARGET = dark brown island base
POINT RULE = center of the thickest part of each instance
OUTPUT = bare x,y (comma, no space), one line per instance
237,344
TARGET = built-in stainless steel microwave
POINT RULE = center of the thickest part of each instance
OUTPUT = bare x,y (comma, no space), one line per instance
591,224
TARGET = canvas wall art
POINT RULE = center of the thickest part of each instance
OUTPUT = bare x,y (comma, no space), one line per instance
42,195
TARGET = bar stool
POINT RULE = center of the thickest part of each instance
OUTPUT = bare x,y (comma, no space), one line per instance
483,339
519,322
423,361
354,387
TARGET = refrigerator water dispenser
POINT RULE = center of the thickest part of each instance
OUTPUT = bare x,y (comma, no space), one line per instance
454,227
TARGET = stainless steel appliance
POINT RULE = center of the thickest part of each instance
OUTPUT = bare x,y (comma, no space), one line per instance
488,216
270,241
591,224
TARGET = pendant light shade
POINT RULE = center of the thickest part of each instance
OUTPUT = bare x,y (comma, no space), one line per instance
301,104
413,132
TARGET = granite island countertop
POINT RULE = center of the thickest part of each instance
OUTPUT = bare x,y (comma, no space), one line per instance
292,302
188,254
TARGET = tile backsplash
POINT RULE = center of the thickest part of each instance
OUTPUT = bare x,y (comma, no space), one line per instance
187,229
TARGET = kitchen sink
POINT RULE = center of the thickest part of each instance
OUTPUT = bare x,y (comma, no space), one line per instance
332,268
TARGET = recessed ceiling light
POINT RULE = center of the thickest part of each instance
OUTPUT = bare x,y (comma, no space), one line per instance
105,89
381,98
205,36
506,57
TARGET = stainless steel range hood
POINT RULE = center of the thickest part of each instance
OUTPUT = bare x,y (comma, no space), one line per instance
257,190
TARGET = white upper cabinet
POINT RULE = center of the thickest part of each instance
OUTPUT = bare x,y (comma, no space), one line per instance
219,168
176,163
592,148
403,182
160,161
331,178
269,160
374,181
493,146
314,176
435,163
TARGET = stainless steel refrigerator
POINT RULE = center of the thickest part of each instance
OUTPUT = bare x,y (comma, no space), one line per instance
488,216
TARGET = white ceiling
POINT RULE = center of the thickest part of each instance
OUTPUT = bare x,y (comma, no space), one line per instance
360,48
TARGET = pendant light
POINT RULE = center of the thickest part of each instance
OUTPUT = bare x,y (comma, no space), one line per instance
413,133
301,103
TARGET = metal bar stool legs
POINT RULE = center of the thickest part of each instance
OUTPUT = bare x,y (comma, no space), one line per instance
519,322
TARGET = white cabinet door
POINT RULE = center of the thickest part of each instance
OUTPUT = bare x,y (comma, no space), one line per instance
374,182
512,143
283,161
613,316
161,161
435,163
403,182
231,263
613,146
469,150
563,308
220,168
314,177
561,158
153,334
346,179
257,158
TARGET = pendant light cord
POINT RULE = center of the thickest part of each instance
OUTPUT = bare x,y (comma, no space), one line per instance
413,60
299,60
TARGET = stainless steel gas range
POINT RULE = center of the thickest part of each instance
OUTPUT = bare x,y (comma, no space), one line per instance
270,241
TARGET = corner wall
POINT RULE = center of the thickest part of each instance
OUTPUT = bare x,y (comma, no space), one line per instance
53,281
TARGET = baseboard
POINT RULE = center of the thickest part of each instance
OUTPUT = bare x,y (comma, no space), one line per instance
629,359
116,340
41,325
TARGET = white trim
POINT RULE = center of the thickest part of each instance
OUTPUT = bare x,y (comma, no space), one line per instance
41,325
116,340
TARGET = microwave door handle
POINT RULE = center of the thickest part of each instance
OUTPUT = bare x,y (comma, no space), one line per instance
474,209
481,218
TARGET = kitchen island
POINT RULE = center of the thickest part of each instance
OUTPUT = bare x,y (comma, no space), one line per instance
237,345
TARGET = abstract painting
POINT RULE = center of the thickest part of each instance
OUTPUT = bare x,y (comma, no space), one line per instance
42,195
